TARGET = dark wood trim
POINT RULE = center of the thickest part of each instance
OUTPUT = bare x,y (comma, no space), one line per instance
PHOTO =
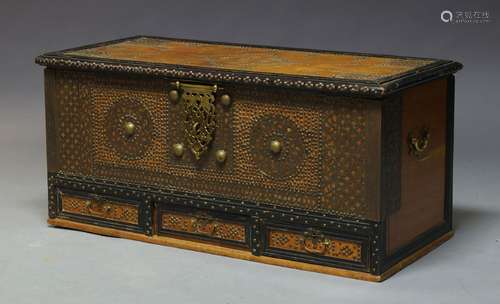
450,125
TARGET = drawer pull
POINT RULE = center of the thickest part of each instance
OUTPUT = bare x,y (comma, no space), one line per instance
98,209
315,242
204,224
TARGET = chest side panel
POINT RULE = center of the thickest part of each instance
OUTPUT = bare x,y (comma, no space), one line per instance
423,156
328,161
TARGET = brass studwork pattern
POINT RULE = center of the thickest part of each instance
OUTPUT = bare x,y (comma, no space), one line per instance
277,146
327,125
129,128
69,95
178,149
345,158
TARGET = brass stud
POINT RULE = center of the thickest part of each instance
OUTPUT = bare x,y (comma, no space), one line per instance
173,95
225,99
275,146
129,128
220,156
178,149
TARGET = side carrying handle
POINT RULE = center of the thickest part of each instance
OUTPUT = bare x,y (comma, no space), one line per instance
419,143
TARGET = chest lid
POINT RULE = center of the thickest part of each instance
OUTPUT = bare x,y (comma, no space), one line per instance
346,73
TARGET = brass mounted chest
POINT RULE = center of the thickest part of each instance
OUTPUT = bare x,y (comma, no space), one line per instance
332,162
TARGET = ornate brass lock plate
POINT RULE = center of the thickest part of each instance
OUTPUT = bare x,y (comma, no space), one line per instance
199,114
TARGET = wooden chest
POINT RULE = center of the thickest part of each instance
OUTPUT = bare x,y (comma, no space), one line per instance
332,162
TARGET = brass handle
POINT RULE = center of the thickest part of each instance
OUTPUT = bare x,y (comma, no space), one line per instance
204,225
99,209
418,143
315,243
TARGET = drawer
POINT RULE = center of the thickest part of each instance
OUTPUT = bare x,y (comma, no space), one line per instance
200,224
316,246
101,210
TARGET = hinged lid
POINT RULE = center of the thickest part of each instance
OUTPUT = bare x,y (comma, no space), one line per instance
347,73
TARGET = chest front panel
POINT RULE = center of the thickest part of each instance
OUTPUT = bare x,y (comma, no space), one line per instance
280,147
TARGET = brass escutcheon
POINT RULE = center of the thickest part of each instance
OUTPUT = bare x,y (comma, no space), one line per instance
199,114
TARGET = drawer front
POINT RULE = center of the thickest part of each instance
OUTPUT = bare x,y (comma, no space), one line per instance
293,149
316,246
101,210
216,227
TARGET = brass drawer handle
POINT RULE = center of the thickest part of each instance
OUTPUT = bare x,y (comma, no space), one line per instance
315,243
97,209
418,143
204,224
